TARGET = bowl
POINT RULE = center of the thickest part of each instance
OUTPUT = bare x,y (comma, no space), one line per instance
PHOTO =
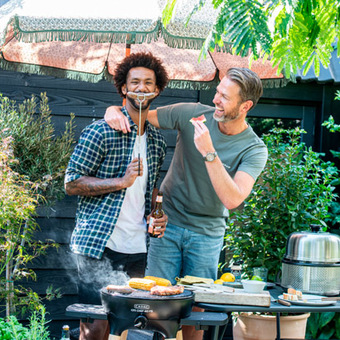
253,286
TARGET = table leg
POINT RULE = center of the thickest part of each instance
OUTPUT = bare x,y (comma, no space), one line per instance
278,333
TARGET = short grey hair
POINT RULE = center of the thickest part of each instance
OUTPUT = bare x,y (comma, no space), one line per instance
249,82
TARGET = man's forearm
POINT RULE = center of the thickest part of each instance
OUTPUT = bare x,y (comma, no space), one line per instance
92,186
231,191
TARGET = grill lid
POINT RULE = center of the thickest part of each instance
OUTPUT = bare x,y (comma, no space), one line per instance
313,246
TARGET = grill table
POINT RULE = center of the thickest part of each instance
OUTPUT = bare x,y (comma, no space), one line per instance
274,307
211,321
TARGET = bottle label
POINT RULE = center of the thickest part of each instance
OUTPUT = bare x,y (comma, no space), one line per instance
151,229
159,199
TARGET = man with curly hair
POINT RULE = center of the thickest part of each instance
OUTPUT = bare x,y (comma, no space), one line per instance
115,187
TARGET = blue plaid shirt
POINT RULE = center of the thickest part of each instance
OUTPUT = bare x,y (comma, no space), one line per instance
105,153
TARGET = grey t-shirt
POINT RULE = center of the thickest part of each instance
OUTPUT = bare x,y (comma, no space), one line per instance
189,198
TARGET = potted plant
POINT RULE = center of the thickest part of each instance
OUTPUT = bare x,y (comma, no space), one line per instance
295,190
263,326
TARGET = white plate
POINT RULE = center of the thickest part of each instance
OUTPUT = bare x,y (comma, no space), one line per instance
311,300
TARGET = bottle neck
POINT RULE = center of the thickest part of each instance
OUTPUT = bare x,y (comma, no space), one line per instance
158,205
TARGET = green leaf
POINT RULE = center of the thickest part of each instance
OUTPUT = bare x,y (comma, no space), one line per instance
326,333
168,12
325,318
309,63
337,325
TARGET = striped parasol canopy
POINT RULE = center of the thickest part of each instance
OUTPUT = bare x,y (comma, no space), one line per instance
85,41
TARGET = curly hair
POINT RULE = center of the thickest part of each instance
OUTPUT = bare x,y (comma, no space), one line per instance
141,59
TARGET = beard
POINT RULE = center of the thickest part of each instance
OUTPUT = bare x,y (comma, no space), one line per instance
135,103
227,117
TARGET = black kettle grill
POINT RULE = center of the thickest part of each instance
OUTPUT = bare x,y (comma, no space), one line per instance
142,310
163,315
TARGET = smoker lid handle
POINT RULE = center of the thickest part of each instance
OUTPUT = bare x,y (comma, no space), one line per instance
315,228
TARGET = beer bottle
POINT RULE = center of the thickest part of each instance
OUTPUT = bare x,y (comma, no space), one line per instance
65,333
157,212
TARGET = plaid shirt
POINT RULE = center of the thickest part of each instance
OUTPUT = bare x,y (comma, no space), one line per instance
105,153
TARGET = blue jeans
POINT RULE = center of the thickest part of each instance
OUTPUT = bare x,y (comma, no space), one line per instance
183,252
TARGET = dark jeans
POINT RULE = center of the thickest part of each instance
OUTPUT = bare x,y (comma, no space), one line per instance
112,268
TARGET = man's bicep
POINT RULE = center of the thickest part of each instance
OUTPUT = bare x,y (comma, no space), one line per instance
87,155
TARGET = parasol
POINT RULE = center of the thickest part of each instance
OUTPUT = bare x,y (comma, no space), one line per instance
82,41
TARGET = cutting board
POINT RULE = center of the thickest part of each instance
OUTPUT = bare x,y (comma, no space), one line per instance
237,297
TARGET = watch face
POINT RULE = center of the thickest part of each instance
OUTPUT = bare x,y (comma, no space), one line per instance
210,156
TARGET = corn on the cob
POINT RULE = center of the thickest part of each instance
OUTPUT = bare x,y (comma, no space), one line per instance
143,284
159,280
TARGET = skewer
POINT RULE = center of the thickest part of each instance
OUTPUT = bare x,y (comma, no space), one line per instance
141,97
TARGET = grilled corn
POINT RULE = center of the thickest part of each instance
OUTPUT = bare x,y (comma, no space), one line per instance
159,281
143,284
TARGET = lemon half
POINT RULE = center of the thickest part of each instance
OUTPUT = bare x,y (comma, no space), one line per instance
228,277
219,281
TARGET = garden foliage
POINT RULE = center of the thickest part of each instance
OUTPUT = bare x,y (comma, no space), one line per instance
12,329
42,156
32,165
296,35
295,190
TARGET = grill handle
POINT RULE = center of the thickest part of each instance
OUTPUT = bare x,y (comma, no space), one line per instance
315,228
140,322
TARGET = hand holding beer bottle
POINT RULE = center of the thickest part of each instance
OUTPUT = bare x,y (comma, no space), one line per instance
154,229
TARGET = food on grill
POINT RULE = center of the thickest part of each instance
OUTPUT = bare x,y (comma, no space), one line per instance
119,289
143,284
201,118
189,280
159,280
165,291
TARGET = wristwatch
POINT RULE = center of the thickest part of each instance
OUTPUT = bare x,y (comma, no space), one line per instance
210,156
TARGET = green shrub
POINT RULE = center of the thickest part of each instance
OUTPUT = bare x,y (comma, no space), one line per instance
37,329
294,191
42,156
32,166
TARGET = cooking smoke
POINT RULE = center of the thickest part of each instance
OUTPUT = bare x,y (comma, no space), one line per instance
106,275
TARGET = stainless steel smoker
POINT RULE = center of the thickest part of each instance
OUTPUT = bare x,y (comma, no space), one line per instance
312,262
